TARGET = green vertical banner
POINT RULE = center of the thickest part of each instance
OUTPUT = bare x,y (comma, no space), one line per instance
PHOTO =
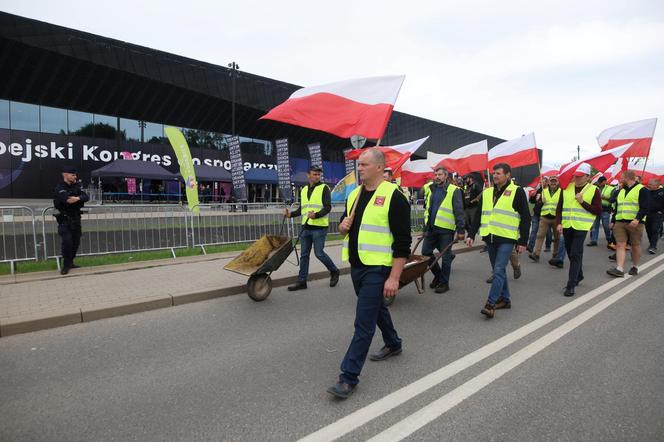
183,155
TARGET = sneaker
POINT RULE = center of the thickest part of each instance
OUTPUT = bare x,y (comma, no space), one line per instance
442,288
384,353
612,257
64,270
341,390
611,246
489,279
633,271
556,263
334,278
300,285
592,244
533,257
569,291
434,283
489,310
517,272
503,303
652,250
615,272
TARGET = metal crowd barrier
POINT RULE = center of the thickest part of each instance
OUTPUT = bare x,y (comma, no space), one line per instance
18,235
112,228
123,228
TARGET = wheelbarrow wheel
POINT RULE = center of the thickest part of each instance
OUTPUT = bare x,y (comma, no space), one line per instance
259,287
389,301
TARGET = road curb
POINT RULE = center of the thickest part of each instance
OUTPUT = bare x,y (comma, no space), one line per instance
54,319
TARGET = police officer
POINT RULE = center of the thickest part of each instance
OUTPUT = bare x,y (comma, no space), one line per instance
443,217
504,226
68,201
315,207
377,244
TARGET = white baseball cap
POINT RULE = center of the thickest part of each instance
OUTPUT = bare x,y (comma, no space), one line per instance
583,169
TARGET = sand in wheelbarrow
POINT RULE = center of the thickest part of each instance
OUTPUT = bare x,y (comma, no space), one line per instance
255,256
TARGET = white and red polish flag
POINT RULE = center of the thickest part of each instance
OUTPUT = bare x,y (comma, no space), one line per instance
519,152
639,133
466,159
544,171
600,161
614,171
353,107
395,156
436,158
416,173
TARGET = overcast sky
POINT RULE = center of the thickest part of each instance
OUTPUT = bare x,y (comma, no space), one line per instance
563,69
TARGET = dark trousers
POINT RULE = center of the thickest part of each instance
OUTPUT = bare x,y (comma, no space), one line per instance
654,228
439,239
574,240
70,233
368,282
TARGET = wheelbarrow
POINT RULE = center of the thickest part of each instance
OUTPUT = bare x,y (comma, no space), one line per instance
261,259
414,270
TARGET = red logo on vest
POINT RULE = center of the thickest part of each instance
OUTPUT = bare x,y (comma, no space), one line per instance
507,193
380,201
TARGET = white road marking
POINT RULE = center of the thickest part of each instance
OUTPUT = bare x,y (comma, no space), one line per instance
437,408
366,414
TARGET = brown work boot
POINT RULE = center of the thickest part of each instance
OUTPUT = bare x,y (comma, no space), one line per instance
503,303
489,310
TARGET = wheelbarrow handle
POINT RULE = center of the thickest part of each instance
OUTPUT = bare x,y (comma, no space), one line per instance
438,256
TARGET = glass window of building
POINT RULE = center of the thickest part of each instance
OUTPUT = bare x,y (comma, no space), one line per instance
53,120
105,126
4,114
24,116
130,129
80,123
153,133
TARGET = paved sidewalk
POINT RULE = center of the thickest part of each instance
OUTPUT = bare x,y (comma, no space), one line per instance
47,300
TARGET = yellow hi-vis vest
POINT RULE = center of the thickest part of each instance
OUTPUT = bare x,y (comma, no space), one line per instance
427,193
445,214
550,202
574,215
501,219
606,193
314,204
628,203
374,240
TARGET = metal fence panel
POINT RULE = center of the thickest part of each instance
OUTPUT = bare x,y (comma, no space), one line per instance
18,234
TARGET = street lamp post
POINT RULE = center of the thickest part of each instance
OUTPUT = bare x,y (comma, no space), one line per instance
234,67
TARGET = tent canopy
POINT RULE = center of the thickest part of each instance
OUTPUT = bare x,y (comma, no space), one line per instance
134,169
261,176
211,173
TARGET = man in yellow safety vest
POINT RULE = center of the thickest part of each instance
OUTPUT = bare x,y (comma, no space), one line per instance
376,224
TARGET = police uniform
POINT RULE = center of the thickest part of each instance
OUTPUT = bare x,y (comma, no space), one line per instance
379,233
68,217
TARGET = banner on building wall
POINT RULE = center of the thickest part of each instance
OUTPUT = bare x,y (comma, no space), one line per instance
349,164
283,169
315,154
237,168
183,155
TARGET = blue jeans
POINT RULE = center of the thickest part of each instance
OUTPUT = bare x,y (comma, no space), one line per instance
499,255
368,282
561,249
439,239
534,227
605,219
317,237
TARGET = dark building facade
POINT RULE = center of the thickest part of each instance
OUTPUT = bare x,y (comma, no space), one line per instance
72,97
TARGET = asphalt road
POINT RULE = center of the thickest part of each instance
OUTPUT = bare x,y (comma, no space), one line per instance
232,369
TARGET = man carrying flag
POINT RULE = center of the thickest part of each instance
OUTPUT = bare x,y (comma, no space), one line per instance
504,224
442,218
314,208
628,222
580,204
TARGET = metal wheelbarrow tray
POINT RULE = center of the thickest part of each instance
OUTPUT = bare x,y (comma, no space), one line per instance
259,261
